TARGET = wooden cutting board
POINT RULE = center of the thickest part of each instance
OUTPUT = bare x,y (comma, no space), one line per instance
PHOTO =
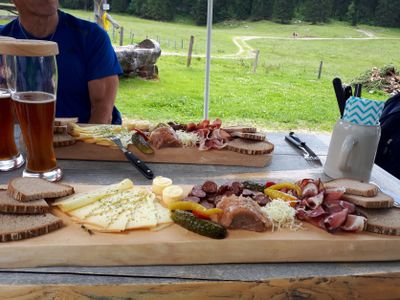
174,245
86,151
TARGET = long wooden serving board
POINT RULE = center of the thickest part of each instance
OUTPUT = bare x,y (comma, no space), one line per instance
72,245
85,151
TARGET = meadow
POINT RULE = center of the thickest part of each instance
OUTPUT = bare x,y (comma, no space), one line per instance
283,94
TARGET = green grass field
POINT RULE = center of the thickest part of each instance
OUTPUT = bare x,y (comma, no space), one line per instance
283,94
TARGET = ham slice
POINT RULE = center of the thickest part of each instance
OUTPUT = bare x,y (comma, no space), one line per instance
354,223
336,220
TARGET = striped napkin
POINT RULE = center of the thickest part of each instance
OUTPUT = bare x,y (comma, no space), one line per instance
363,111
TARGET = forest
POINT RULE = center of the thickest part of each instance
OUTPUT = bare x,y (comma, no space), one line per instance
373,12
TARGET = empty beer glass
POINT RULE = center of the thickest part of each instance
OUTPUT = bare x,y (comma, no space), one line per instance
32,79
10,158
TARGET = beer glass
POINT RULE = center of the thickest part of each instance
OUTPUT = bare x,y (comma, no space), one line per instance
10,158
32,79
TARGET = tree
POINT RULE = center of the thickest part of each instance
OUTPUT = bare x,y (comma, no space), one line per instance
339,9
317,11
262,9
352,12
200,12
119,5
283,10
388,13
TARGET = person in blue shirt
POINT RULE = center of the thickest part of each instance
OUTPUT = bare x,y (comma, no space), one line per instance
88,67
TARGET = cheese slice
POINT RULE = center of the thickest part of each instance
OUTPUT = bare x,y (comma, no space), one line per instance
143,215
163,214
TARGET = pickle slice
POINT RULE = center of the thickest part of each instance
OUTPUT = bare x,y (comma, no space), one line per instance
139,142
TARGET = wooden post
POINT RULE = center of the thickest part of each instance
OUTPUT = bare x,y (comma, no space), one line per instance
320,69
257,55
189,58
182,43
113,34
121,36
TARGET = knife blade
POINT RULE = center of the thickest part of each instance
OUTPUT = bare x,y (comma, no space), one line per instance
133,159
309,154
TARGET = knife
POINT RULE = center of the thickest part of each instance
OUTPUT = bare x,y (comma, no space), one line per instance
137,162
337,86
308,153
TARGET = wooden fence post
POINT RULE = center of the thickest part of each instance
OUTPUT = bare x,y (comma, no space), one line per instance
320,69
121,36
189,58
257,55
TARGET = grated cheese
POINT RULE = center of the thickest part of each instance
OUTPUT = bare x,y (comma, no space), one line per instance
281,214
188,139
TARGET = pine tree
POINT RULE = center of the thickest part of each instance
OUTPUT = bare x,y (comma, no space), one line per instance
388,13
283,10
119,5
200,12
261,9
317,11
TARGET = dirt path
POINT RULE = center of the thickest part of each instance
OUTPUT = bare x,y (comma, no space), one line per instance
245,51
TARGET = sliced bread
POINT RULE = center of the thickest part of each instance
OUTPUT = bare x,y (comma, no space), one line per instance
62,140
28,189
64,121
381,200
18,227
250,147
354,187
12,206
256,136
60,129
239,128
383,221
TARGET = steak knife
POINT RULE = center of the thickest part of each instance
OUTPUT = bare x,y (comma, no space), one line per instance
137,162
307,152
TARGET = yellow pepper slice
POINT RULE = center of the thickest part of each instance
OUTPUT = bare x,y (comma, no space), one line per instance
274,194
187,205
287,185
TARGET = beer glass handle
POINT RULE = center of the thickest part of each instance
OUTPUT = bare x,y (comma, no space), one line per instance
347,147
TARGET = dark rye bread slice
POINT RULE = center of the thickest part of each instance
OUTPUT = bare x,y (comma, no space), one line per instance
18,227
354,187
381,200
250,147
239,128
12,206
257,136
60,129
383,221
65,121
62,140
28,189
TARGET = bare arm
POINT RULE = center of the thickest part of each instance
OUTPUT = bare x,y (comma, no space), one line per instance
102,94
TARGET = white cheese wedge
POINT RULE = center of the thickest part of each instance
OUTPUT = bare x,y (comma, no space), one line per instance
143,216
82,199
163,214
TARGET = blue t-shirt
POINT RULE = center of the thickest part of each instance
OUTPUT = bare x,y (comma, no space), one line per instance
86,54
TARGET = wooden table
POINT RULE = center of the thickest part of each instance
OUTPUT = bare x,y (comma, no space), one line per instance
378,280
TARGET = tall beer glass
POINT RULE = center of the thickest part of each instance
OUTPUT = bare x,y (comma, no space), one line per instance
33,83
10,158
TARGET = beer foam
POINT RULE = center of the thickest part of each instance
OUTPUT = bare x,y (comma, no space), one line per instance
33,97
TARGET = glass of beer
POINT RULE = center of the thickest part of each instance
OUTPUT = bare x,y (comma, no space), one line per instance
32,79
10,158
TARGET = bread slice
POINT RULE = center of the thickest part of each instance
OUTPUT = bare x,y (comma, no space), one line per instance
250,147
62,140
257,136
28,189
65,121
381,200
12,206
60,129
354,187
239,128
383,221
18,227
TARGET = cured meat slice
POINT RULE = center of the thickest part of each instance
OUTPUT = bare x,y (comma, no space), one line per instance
336,220
334,193
242,213
164,137
315,201
354,223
